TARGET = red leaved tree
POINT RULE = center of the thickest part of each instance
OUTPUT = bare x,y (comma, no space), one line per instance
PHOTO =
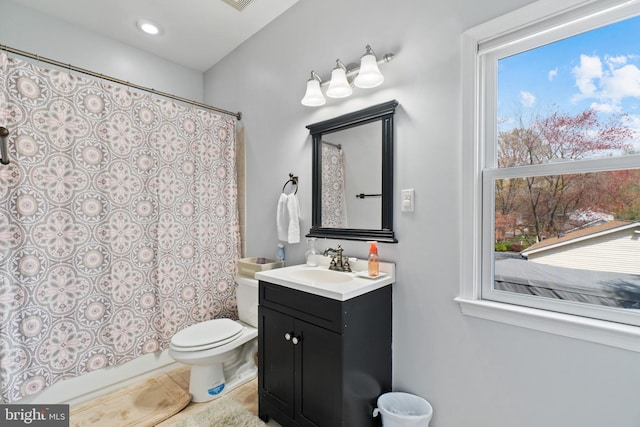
619,194
546,204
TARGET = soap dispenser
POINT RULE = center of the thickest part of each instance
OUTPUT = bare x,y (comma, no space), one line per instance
374,263
311,252
280,253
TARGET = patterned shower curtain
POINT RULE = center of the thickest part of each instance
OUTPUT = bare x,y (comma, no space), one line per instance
334,205
118,224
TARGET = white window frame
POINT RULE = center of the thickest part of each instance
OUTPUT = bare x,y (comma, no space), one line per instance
525,28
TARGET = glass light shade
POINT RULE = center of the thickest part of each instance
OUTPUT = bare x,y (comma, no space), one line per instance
369,75
339,86
313,97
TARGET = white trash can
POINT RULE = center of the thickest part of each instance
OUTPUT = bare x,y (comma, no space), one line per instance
403,410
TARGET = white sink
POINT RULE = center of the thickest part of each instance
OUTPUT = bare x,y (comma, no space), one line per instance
320,276
329,283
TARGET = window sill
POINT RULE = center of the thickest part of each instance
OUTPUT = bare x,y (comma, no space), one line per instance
598,331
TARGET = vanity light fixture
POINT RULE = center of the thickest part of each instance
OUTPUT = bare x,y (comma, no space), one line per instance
368,76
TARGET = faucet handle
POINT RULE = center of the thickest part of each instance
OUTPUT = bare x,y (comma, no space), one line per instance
332,263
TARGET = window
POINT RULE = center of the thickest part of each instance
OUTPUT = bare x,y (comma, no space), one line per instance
552,185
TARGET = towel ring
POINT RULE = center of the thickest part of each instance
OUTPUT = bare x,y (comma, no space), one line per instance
294,181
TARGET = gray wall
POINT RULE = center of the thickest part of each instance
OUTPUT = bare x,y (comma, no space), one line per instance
476,373
34,32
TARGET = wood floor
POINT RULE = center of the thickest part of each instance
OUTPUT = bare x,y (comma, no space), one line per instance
246,394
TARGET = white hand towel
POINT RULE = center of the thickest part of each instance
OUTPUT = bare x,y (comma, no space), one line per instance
282,218
293,208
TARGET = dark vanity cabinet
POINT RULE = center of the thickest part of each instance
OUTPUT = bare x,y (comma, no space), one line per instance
322,362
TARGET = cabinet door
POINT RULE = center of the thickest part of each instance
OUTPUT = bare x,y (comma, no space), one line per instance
277,353
319,382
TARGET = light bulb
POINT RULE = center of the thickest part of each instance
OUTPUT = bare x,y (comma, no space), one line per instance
148,27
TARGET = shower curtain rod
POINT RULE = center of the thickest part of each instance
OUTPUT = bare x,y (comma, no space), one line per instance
338,146
70,67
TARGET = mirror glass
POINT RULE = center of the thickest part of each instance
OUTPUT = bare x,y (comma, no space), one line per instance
351,187
353,175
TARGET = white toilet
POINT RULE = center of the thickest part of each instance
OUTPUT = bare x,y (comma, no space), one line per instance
221,351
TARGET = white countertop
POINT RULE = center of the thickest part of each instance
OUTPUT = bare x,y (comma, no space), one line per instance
339,291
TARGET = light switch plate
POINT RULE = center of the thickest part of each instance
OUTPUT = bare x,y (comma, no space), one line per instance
406,200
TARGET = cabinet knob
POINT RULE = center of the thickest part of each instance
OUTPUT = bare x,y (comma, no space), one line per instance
287,336
295,340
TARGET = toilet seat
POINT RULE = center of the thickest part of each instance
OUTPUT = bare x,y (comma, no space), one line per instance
206,335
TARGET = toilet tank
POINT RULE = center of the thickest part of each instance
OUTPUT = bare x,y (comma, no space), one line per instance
247,299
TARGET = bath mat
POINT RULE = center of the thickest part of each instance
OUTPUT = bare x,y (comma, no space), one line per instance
143,404
222,412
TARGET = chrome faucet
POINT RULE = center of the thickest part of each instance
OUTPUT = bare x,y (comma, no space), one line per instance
338,262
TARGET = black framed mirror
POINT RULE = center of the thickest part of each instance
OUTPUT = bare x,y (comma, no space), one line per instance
352,174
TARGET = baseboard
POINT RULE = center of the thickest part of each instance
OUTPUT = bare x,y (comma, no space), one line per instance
94,384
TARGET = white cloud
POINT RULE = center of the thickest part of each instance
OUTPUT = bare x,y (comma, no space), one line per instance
527,98
621,83
632,121
615,61
604,107
590,68
619,80
553,73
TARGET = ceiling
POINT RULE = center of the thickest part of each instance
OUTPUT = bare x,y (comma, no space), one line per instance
194,33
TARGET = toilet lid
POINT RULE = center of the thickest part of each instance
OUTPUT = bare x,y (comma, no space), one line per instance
208,334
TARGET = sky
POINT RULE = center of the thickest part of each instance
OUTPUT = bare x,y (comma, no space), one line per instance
599,69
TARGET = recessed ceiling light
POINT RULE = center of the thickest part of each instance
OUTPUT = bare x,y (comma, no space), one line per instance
148,27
